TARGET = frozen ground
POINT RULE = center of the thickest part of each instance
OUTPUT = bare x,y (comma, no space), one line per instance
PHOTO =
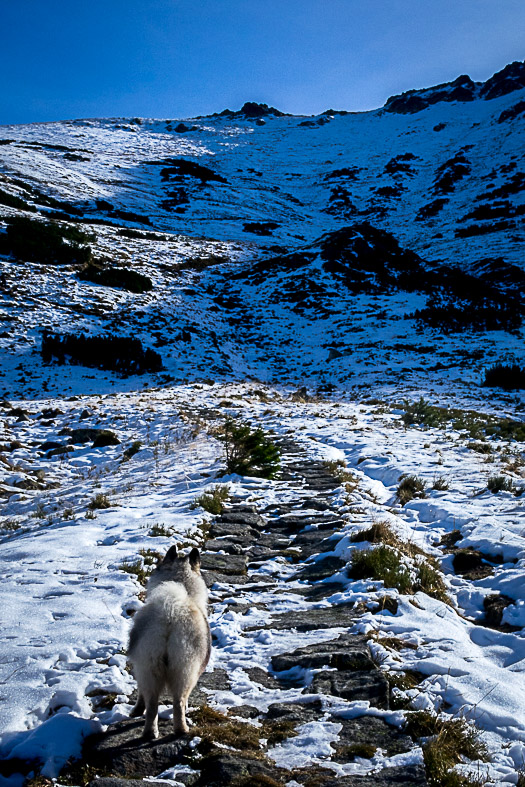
68,602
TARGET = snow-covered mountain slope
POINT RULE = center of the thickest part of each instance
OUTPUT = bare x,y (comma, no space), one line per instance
370,257
447,182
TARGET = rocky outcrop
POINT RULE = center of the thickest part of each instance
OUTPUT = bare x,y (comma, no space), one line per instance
462,89
251,110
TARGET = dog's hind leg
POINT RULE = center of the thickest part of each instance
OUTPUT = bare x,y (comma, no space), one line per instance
139,707
180,725
151,726
182,685
150,689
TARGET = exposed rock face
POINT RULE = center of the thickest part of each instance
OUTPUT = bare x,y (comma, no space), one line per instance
509,79
461,89
366,257
251,110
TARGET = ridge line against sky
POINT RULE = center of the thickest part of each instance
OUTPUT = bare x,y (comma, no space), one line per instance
175,58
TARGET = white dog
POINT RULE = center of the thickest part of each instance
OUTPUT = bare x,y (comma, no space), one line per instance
170,641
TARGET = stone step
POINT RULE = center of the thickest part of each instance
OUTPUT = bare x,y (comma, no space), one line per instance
235,517
321,569
311,619
219,527
224,564
346,652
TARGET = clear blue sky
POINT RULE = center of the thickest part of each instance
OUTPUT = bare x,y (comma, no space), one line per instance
63,59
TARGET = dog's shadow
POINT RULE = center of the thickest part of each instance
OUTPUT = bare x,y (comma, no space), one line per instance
127,735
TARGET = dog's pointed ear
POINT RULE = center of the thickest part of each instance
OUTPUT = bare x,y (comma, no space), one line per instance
170,555
195,558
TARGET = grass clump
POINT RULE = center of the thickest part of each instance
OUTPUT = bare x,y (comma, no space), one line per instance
142,567
46,242
510,377
430,581
440,484
122,354
278,730
10,526
337,468
133,449
120,278
136,568
150,557
422,413
500,483
381,563
449,741
384,563
248,451
99,501
476,425
213,727
410,487
378,533
480,448
213,502
160,530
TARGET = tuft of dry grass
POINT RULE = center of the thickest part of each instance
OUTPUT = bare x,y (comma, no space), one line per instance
338,469
214,727
410,487
99,501
449,740
213,502
364,750
382,563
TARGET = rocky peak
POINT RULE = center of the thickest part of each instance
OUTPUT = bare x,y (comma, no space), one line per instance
251,110
510,78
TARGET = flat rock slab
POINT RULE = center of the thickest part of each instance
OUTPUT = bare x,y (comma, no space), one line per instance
373,731
114,781
312,619
321,569
236,517
259,554
294,522
216,577
233,546
263,678
297,505
405,776
316,538
354,685
343,653
224,564
121,749
296,712
214,681
227,768
220,528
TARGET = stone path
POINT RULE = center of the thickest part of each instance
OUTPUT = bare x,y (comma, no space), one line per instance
253,560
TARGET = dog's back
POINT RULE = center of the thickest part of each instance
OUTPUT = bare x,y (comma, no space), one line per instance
170,640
